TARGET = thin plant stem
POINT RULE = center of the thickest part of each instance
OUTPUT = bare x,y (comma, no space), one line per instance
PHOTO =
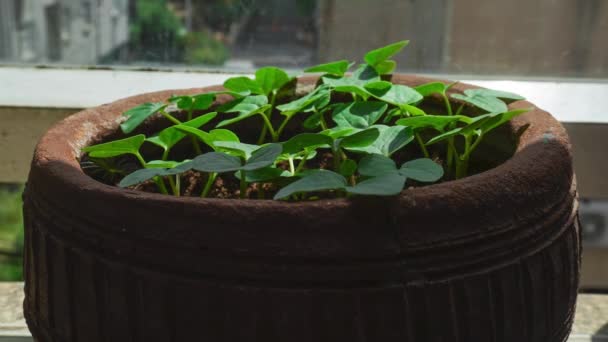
268,116
302,163
267,123
161,185
170,117
209,183
322,120
178,184
165,154
243,191
141,159
173,186
422,146
292,167
337,156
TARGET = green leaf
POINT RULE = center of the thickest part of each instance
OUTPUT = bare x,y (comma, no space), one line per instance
314,100
237,148
221,134
500,119
390,140
202,135
470,128
265,174
246,107
300,142
422,170
376,165
395,94
141,176
195,102
243,85
168,137
139,114
363,75
437,122
489,104
386,67
493,93
347,167
263,156
115,148
271,79
431,88
377,56
337,68
359,139
163,164
216,162
316,180
358,114
388,184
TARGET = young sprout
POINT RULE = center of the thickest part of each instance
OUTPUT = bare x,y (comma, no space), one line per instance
357,136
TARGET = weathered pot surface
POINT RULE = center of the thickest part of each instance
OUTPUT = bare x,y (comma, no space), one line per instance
491,257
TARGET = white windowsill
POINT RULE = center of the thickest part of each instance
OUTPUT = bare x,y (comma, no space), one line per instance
568,100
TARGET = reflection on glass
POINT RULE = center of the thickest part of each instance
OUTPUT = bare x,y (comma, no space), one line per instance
493,37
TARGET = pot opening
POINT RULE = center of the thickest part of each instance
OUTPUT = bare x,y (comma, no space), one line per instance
497,147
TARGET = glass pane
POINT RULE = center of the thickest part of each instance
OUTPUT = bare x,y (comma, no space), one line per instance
565,38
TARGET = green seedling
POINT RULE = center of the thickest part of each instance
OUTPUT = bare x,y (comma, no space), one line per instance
344,135
218,162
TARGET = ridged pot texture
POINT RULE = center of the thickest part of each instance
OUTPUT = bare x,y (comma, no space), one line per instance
490,257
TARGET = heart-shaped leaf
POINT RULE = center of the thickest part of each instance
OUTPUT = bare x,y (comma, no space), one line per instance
243,85
376,164
337,68
390,140
265,174
347,167
437,122
493,93
487,103
422,170
216,162
194,102
358,114
300,142
246,107
316,180
314,100
376,56
395,94
236,148
115,148
141,176
359,139
500,119
263,156
139,114
385,67
363,75
388,184
168,137
431,88
271,79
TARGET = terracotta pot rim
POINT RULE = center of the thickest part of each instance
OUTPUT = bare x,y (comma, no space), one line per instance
70,130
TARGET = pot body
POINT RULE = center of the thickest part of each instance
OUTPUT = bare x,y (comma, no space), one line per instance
492,257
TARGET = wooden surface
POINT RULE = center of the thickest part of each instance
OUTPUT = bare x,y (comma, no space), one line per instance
591,323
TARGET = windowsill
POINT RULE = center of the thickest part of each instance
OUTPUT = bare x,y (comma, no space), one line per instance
591,322
569,100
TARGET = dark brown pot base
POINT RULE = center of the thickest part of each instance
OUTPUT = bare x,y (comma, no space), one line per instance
493,257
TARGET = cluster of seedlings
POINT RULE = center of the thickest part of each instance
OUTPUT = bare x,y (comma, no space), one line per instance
340,149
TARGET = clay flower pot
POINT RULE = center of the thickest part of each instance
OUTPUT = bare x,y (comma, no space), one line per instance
491,257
